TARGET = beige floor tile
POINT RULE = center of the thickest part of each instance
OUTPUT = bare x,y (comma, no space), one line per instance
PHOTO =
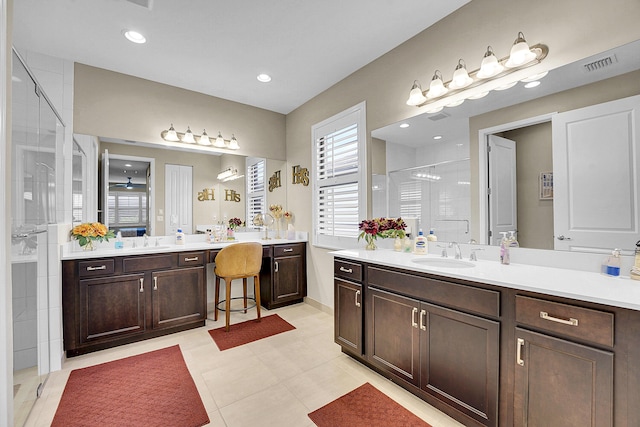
273,407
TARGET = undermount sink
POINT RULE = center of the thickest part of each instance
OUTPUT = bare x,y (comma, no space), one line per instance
443,262
145,248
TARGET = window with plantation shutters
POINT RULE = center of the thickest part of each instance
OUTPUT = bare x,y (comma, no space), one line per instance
256,193
339,175
411,199
127,208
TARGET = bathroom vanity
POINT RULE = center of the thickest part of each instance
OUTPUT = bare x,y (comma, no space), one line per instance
492,344
114,297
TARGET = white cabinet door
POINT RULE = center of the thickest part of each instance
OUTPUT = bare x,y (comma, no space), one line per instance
178,199
503,202
596,155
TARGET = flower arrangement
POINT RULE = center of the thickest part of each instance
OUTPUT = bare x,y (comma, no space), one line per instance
276,210
89,232
235,223
371,229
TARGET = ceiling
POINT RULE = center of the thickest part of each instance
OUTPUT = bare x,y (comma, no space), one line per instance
219,47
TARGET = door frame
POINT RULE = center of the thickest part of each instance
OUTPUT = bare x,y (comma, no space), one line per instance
483,169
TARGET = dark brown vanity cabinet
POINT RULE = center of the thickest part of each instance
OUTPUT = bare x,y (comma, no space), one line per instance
348,300
559,381
113,301
450,355
283,278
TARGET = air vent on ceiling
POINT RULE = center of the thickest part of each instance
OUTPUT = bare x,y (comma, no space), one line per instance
148,4
600,63
438,116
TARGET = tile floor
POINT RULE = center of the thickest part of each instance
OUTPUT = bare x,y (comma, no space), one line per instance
276,381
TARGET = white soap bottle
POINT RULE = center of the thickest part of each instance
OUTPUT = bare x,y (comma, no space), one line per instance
432,236
179,237
420,246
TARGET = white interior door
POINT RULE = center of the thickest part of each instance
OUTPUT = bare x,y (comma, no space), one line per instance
502,187
178,199
105,188
595,163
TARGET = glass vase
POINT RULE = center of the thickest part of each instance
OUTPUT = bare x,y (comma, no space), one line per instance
371,244
397,244
89,246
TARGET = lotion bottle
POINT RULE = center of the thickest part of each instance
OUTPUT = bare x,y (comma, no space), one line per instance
420,246
612,267
432,236
119,243
179,237
504,249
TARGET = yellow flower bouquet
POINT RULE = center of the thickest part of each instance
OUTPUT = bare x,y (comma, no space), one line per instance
89,232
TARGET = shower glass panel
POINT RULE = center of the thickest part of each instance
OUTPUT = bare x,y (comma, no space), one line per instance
36,132
433,196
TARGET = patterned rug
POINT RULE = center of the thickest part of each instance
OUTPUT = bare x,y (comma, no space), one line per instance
365,406
251,330
151,389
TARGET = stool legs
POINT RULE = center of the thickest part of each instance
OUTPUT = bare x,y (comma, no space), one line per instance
256,292
227,304
215,310
244,290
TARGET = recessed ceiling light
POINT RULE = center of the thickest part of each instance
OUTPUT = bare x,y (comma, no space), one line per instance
264,78
437,137
134,36
532,84
405,125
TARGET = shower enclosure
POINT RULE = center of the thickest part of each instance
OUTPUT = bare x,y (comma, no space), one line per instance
433,196
37,135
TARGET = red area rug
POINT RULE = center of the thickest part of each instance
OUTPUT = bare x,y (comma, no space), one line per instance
365,406
251,330
151,389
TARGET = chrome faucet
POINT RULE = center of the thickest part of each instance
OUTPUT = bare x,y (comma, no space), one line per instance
473,256
146,240
444,251
456,246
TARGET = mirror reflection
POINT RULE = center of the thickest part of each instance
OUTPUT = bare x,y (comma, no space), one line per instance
524,116
155,191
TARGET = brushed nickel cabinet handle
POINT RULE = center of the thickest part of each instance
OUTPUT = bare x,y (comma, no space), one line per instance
423,315
357,295
288,250
519,345
102,267
141,284
276,267
571,322
155,283
346,270
195,258
414,323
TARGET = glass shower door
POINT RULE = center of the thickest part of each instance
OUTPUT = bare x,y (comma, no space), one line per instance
36,132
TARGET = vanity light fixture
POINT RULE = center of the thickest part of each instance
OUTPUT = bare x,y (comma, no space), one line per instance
229,174
491,68
188,137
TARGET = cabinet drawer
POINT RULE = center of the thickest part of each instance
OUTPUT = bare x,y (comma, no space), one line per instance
142,263
98,267
287,250
347,270
566,319
186,259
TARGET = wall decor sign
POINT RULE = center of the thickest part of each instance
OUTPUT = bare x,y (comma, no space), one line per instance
231,196
206,194
546,185
300,175
274,181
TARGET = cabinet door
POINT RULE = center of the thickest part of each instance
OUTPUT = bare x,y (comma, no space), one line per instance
348,315
178,297
393,334
459,361
559,383
288,279
111,307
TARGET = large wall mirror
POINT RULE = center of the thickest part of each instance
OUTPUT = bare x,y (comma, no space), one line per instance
154,190
438,171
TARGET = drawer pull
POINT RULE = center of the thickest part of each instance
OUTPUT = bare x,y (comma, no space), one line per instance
571,322
141,284
288,250
155,283
195,258
357,302
276,270
414,323
346,270
423,315
102,267
519,345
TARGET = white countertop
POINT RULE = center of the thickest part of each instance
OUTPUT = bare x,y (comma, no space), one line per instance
580,285
194,242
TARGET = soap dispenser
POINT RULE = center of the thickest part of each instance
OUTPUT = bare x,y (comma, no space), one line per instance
612,265
505,258
119,243
635,270
513,242
432,236
420,246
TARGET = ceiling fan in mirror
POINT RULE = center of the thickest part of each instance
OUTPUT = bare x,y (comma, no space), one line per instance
127,185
